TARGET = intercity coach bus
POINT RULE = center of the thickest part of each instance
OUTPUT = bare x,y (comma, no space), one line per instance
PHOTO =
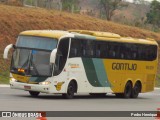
81,61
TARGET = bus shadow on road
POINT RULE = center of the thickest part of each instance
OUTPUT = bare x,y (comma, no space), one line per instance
50,96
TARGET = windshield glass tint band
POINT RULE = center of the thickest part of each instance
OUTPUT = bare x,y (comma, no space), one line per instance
36,42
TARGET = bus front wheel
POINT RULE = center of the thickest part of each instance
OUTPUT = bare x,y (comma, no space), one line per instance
70,91
33,93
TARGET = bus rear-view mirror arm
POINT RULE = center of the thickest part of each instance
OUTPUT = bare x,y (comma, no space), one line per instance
53,56
6,50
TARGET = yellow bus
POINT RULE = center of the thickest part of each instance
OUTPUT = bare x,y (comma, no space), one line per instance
81,61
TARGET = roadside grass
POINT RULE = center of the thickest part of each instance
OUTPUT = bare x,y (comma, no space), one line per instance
4,77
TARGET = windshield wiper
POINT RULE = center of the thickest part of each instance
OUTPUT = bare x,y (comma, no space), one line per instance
33,65
25,62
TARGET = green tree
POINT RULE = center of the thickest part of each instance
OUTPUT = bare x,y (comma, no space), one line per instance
153,16
109,6
70,5
143,2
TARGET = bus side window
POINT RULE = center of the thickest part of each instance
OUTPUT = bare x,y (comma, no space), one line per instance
74,52
61,57
134,55
104,50
152,53
122,56
82,48
112,52
83,52
98,52
89,48
117,51
121,51
73,49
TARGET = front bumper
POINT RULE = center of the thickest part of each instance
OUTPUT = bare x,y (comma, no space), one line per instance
30,87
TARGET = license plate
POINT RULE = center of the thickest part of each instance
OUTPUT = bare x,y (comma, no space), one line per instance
27,87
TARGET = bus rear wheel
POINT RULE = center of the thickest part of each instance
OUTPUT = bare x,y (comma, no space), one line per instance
127,91
70,91
33,93
136,90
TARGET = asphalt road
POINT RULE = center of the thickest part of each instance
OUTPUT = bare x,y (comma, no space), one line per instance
18,100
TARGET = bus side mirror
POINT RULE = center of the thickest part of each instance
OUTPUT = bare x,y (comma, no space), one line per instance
6,50
53,56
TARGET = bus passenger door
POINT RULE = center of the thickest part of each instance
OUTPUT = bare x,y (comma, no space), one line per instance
60,73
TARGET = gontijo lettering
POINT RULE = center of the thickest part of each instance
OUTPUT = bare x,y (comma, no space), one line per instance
124,66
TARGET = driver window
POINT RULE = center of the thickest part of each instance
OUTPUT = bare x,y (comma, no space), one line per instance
61,57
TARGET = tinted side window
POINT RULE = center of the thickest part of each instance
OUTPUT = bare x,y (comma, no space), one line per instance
75,49
101,49
112,50
151,52
61,56
88,50
82,48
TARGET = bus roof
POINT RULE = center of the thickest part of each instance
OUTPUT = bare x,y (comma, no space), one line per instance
45,33
97,33
107,36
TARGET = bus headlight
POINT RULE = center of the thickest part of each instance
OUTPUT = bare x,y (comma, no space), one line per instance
13,80
45,83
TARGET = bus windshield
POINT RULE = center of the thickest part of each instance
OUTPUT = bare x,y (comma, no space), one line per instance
33,62
32,55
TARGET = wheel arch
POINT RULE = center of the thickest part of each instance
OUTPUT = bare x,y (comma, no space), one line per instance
75,82
124,84
129,80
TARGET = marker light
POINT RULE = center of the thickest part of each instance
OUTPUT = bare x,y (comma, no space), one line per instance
13,80
21,70
45,83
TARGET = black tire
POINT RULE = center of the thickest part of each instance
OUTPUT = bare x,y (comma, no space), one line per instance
136,90
33,93
98,94
70,91
127,91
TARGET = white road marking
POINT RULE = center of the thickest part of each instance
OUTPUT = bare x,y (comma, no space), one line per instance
4,85
156,88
